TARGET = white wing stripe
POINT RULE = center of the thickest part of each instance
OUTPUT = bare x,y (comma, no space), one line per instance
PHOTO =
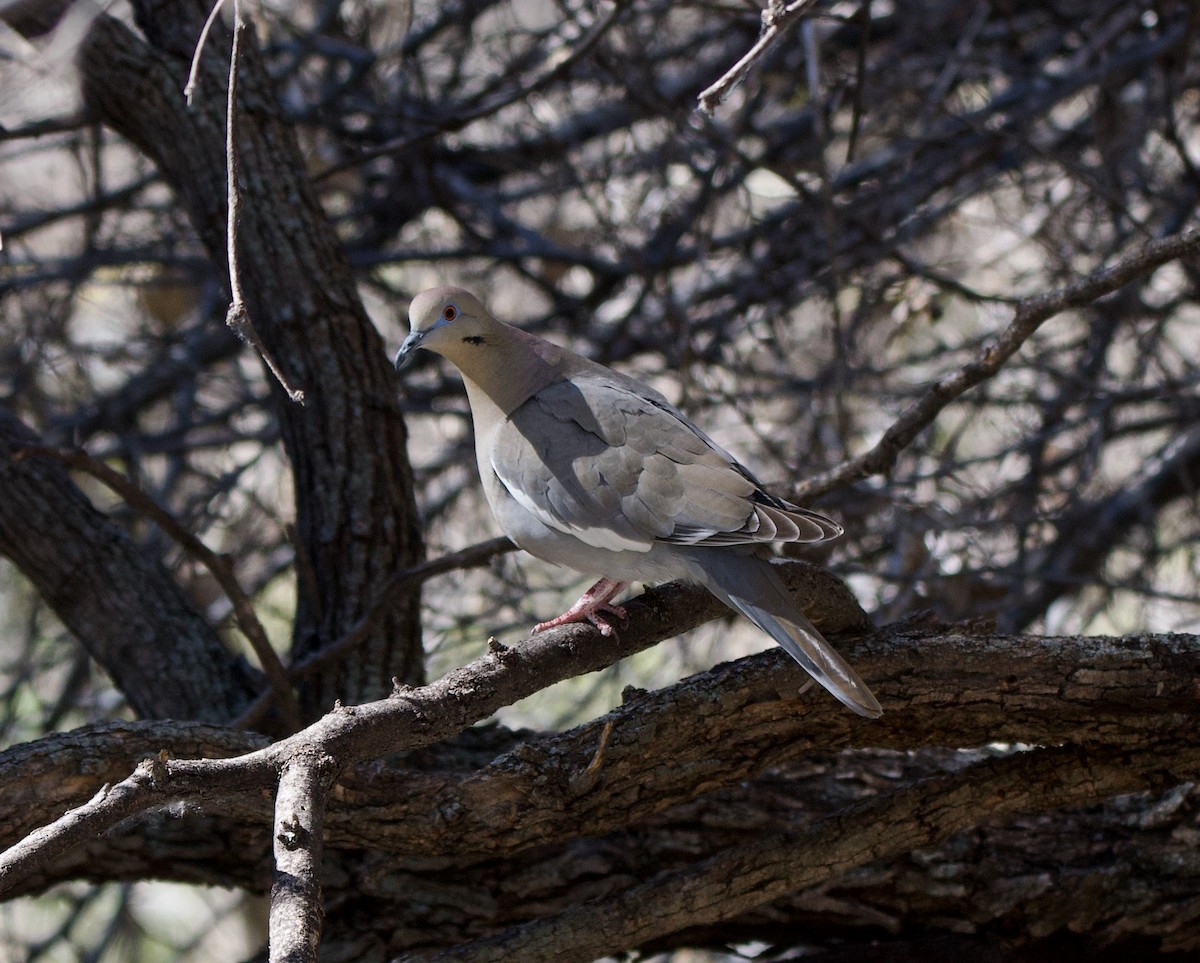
600,537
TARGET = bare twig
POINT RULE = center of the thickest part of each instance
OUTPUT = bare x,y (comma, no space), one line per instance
237,318
106,807
218,566
233,195
775,20
1029,315
390,594
154,782
193,80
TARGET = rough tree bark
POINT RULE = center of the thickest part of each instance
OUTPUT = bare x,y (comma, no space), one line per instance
124,607
356,521
649,815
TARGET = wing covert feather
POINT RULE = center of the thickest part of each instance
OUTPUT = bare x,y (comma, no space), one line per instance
615,464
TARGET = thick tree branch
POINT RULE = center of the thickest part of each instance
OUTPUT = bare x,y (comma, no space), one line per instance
297,909
217,565
1037,873
125,608
414,717
739,879
939,689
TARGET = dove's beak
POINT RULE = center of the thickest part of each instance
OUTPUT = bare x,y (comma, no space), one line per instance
410,345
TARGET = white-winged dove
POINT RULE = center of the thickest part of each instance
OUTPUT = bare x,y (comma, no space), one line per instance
585,467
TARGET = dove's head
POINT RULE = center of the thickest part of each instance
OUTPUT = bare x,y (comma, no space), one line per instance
503,364
449,321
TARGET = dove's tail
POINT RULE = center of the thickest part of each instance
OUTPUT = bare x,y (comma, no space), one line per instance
749,584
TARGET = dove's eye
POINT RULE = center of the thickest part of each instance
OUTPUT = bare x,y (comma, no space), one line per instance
449,312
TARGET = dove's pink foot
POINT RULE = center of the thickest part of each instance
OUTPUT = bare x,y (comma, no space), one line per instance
591,603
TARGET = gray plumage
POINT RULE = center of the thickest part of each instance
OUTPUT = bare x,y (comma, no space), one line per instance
585,467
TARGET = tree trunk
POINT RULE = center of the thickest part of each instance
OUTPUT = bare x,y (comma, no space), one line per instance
356,519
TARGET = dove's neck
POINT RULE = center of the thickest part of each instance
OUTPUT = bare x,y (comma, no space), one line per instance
504,371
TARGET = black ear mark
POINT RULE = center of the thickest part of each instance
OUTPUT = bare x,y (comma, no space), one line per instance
474,339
